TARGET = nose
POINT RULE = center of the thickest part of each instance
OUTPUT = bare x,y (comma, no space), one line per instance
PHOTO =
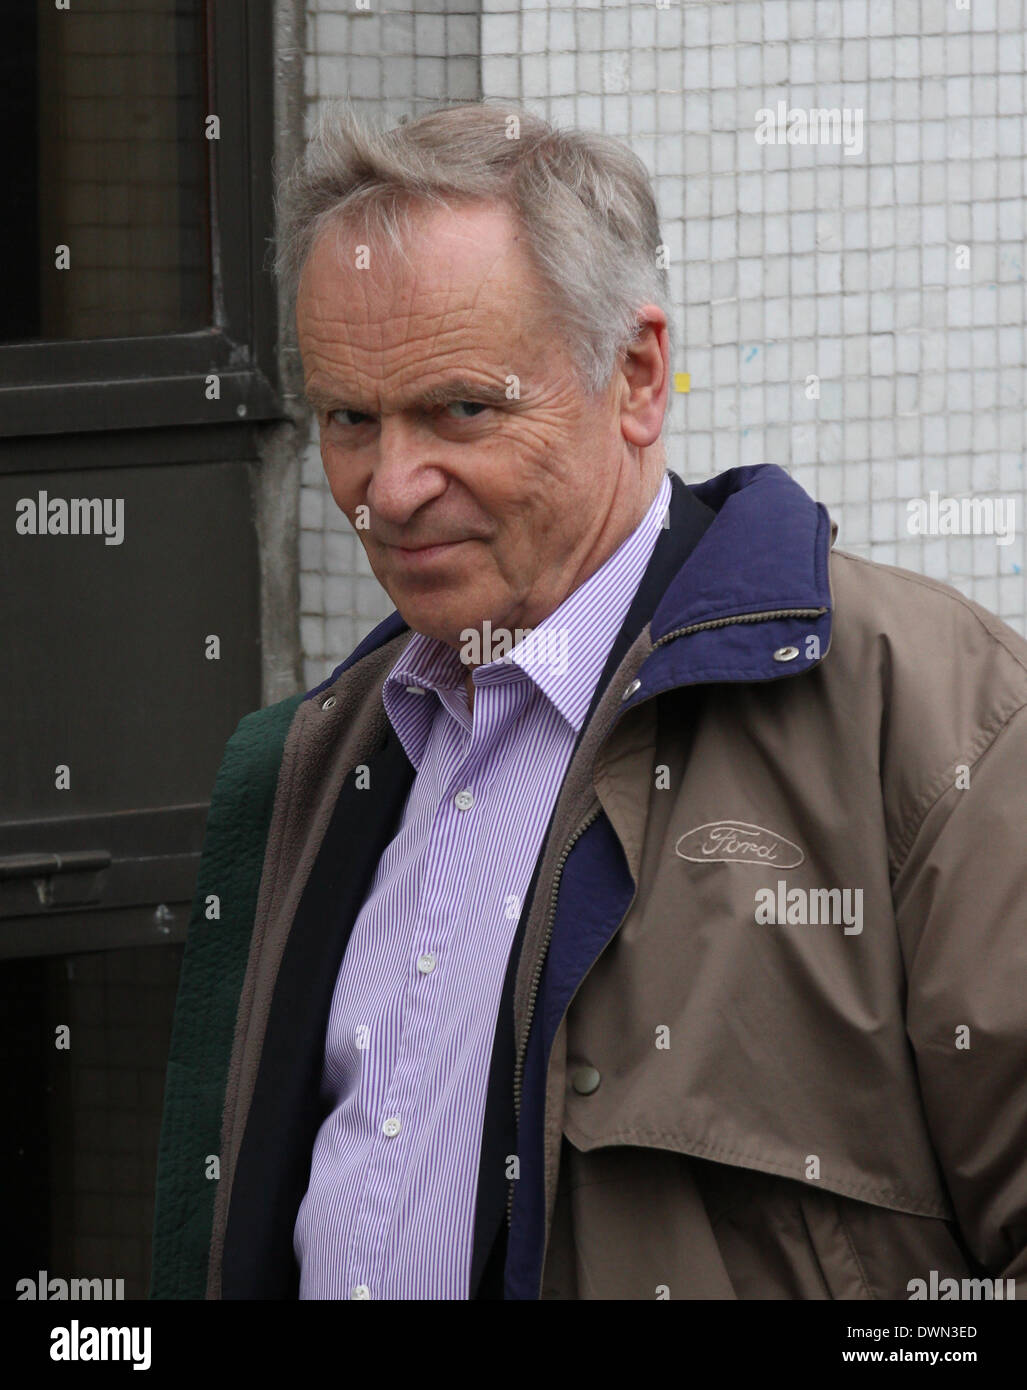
403,478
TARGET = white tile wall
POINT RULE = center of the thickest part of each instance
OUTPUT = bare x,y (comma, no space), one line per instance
788,260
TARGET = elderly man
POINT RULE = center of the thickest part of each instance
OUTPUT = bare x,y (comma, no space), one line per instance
639,911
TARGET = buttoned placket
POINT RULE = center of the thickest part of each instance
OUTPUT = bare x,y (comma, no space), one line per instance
479,732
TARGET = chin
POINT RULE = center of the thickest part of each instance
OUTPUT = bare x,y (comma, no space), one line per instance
425,618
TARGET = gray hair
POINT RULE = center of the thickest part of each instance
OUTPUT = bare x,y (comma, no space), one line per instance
583,199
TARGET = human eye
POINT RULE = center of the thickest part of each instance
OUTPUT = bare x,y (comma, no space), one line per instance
345,411
472,405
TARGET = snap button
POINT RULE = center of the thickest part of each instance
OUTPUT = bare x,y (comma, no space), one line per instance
585,1080
635,685
327,704
786,653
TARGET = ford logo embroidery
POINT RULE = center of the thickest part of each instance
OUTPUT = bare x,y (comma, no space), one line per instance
735,842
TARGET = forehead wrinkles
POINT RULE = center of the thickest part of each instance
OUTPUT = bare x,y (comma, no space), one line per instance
388,312
406,349
417,320
391,330
448,268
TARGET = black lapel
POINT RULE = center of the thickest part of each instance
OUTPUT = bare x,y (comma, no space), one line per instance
273,1169
689,519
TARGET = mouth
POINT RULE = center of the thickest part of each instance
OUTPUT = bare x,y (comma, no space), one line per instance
424,554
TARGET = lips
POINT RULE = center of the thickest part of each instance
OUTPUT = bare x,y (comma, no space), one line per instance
424,554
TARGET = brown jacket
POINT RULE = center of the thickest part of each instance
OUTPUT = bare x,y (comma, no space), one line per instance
895,1055
741,1099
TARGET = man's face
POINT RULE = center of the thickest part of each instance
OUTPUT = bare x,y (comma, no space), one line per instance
478,506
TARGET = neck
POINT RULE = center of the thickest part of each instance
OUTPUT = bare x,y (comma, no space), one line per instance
648,493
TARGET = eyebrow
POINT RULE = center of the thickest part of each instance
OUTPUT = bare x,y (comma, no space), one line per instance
327,399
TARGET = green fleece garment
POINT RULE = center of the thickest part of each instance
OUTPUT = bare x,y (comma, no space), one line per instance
213,967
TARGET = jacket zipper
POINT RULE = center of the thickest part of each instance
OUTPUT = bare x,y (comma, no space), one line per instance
555,891
741,618
537,976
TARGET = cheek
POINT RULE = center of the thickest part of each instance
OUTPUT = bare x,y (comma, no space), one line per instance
343,485
375,558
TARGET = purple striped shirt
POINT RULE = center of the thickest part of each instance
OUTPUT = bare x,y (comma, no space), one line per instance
389,1210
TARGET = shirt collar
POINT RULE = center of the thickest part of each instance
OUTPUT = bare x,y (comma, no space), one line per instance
563,656
566,653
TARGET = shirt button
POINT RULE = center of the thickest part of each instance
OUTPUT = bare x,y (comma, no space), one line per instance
391,1126
585,1080
361,1291
463,800
426,964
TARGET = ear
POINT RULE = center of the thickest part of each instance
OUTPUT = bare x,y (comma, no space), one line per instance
645,373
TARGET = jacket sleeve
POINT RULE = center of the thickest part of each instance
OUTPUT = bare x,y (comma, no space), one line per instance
961,910
209,986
